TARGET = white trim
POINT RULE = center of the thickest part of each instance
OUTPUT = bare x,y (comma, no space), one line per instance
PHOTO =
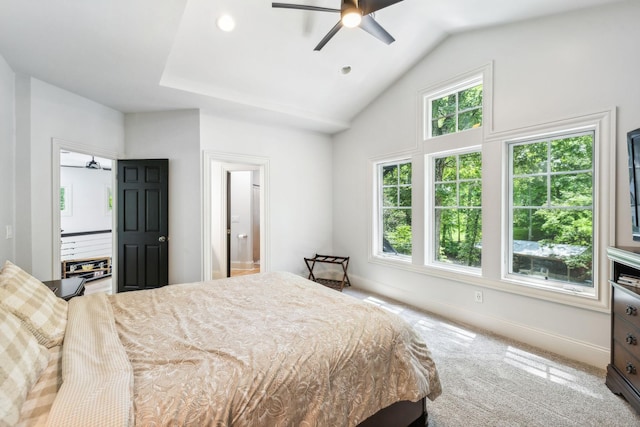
430,234
375,221
475,279
602,124
551,285
483,74
229,162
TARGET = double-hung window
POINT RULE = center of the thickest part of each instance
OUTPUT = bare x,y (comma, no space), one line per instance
457,208
394,213
551,198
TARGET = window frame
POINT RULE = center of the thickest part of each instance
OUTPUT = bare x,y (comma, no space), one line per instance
552,285
451,88
430,231
604,152
494,149
377,228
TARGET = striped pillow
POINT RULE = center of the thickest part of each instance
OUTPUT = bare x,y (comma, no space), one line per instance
22,360
44,314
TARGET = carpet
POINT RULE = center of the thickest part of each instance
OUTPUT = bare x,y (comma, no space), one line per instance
488,380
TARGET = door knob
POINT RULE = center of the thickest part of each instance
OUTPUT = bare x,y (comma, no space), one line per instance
162,239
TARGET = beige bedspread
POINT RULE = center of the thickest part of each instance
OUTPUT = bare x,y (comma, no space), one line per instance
36,408
97,378
265,350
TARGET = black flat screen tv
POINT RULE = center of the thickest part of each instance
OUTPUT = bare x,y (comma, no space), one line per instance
633,146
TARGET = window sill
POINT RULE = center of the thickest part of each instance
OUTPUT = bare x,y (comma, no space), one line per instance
400,260
509,284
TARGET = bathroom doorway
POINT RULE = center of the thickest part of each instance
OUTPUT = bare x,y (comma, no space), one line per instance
235,221
243,222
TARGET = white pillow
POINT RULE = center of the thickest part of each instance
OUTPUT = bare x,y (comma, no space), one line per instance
31,301
22,360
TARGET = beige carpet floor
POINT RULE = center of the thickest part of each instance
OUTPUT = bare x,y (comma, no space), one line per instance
488,380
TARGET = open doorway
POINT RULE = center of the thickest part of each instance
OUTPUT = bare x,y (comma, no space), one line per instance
235,232
243,216
84,204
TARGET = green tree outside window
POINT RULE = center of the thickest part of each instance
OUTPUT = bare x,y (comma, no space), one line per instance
396,208
457,111
457,209
552,209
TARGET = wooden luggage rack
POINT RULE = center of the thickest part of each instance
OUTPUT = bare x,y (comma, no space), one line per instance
329,259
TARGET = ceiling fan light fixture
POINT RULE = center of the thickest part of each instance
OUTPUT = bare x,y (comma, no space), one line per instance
351,17
93,164
353,13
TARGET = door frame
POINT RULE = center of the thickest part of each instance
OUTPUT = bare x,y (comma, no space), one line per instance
58,144
215,166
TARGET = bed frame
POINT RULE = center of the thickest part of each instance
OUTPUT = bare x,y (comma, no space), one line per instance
404,413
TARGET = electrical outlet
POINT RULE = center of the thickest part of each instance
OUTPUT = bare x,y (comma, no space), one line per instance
478,296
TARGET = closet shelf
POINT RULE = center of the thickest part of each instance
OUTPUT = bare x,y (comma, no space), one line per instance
87,268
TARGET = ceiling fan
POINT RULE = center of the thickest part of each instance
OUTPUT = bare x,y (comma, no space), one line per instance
93,164
353,13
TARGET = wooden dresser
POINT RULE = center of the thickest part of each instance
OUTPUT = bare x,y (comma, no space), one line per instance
623,373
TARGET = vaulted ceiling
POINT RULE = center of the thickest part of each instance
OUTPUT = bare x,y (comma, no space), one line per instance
150,55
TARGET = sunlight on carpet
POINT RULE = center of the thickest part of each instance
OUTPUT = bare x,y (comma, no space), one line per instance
488,380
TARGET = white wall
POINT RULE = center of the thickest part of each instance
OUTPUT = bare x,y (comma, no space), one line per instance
7,159
44,112
544,70
88,198
174,135
300,164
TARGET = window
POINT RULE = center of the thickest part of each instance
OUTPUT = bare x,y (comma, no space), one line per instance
552,210
456,109
457,212
65,200
394,209
63,204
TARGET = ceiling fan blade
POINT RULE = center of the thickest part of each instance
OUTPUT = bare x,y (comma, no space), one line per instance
372,27
370,6
303,7
329,35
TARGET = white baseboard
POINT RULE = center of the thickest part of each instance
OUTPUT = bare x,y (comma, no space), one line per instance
581,351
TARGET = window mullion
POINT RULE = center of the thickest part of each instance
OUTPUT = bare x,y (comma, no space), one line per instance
548,174
457,112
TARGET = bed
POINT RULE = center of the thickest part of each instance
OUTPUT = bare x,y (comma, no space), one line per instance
272,349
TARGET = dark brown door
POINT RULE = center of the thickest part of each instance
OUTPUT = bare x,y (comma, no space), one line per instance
143,224
228,224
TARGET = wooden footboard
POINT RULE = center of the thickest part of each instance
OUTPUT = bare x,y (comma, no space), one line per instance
405,413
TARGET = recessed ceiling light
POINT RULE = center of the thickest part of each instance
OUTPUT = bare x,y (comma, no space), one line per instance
346,69
226,23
